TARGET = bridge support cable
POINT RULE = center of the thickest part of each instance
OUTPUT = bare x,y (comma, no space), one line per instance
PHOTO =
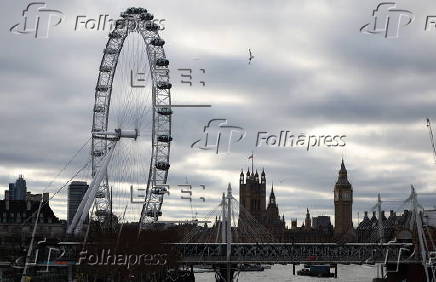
223,219
416,215
229,232
244,227
430,132
197,233
88,198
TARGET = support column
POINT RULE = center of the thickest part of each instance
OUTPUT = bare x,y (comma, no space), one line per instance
223,219
229,233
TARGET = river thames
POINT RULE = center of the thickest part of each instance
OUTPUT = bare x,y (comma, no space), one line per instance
346,273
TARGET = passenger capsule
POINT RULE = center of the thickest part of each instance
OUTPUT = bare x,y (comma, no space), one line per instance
102,88
120,24
164,138
146,17
162,165
157,42
164,85
151,26
153,213
134,10
159,190
165,111
99,109
97,153
105,68
162,62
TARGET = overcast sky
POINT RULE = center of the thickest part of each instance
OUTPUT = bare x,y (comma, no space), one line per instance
313,72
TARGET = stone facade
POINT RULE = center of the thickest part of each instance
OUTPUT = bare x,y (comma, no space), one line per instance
18,217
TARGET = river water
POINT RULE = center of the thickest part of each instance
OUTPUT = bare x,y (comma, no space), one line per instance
346,273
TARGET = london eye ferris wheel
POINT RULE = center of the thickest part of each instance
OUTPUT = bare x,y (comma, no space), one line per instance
131,127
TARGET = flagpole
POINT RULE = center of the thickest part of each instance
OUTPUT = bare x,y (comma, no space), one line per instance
252,161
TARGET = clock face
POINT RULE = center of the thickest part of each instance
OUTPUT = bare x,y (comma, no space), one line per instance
346,196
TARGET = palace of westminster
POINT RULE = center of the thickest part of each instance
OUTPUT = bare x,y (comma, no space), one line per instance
252,198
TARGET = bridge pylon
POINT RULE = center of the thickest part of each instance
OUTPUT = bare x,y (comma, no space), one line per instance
227,270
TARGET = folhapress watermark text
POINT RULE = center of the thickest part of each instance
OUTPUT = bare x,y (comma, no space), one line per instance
286,139
106,258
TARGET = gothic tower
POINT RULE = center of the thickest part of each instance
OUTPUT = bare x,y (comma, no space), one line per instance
308,221
252,195
272,211
343,194
273,222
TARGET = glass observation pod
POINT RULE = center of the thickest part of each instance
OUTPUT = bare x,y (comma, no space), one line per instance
150,26
106,69
162,165
97,153
159,190
164,85
134,10
157,42
164,138
102,88
154,213
146,17
99,109
111,51
120,23
162,62
165,111
115,34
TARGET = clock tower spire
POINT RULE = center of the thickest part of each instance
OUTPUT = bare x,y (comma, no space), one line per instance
343,193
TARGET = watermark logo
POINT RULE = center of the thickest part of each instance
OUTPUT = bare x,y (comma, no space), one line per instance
138,79
286,139
103,22
108,258
212,138
37,20
160,189
388,20
187,193
187,76
430,23
218,133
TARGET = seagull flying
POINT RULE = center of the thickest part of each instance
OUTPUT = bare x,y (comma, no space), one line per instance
250,56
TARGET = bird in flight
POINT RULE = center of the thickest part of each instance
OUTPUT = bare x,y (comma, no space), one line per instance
250,56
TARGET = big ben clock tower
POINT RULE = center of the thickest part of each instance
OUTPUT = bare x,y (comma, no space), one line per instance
343,202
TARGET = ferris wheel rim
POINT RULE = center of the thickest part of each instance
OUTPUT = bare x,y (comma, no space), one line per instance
161,104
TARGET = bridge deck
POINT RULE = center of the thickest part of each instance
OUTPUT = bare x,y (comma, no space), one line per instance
282,253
